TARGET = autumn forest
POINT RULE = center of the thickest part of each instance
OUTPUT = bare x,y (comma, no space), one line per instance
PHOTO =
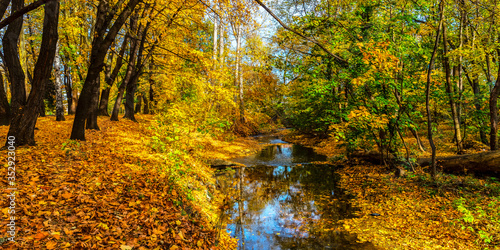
250,124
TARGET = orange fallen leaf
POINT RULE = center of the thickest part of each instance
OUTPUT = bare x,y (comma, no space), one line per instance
51,245
41,235
67,195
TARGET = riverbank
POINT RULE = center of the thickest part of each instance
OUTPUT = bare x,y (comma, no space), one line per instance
114,191
414,212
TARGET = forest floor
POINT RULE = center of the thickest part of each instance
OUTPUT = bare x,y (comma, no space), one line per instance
415,212
114,192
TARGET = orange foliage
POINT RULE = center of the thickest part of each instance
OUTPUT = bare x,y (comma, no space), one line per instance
105,193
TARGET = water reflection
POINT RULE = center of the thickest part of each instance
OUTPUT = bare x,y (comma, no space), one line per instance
282,155
283,202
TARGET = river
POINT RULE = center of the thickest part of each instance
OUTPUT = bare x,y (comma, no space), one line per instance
287,198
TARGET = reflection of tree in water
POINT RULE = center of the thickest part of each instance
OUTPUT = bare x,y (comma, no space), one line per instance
303,195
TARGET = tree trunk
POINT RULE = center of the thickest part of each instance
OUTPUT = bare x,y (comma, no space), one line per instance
4,105
481,163
41,109
111,77
450,92
146,104
477,104
419,142
94,108
221,43
129,98
103,38
132,85
152,103
495,92
59,86
216,29
103,103
23,122
428,91
11,56
74,102
242,102
134,48
138,106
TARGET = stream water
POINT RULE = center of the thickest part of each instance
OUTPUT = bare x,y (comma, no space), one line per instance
283,200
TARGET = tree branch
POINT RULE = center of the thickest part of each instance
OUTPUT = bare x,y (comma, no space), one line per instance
337,57
22,11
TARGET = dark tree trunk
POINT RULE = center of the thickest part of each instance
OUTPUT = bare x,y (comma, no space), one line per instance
103,104
477,104
3,7
132,85
138,106
23,123
94,108
12,62
481,163
137,70
69,90
103,38
134,48
451,93
41,108
111,77
146,105
129,98
4,105
495,92
151,104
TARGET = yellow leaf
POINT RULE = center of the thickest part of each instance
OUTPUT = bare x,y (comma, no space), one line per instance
174,247
57,235
125,247
51,245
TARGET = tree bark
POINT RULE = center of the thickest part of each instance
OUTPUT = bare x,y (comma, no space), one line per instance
146,104
495,92
23,122
94,108
12,62
103,103
481,163
134,48
111,77
152,103
129,97
138,106
59,86
21,11
4,105
75,102
450,92
216,29
428,91
104,35
477,104
242,101
69,90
